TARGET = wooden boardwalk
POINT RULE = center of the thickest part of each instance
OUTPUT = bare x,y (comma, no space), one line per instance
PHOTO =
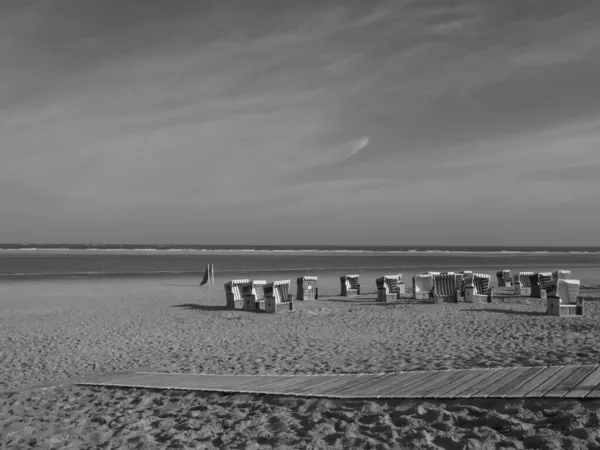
573,381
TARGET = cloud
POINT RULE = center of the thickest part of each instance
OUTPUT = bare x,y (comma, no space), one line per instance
147,110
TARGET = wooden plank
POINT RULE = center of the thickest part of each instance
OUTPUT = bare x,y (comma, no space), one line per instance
560,375
418,392
500,382
427,381
418,380
354,386
331,381
268,386
561,389
459,381
520,379
586,386
391,390
534,382
381,387
594,393
484,382
297,382
251,383
322,388
137,380
467,384
452,377
280,387
308,386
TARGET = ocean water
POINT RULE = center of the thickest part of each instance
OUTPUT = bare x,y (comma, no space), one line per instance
34,262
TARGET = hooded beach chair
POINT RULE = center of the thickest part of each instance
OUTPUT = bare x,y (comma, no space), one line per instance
550,288
349,285
307,288
233,293
564,299
445,288
539,283
277,296
389,287
422,286
522,283
253,293
478,288
504,278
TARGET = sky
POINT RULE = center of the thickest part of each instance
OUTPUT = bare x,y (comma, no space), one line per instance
448,122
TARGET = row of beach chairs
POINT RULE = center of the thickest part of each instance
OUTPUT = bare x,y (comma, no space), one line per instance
257,295
557,287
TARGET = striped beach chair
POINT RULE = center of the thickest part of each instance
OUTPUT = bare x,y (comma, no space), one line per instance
539,283
233,293
277,296
422,286
388,287
349,285
253,293
307,288
445,288
504,278
522,283
479,288
565,300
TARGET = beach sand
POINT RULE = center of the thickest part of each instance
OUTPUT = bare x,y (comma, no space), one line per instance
57,330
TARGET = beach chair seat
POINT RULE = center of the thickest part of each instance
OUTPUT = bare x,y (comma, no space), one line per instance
478,289
349,285
253,293
277,296
504,278
389,287
233,293
522,283
565,300
307,288
422,286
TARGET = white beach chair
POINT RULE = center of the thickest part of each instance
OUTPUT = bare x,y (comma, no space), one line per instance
565,300
556,275
422,286
389,287
478,289
522,283
253,293
307,288
277,296
233,293
349,285
504,278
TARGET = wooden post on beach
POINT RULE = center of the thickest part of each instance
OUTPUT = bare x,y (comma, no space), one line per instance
212,274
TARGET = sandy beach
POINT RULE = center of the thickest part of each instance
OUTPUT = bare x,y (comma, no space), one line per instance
58,330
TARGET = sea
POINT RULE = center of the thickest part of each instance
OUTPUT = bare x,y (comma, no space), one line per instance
31,262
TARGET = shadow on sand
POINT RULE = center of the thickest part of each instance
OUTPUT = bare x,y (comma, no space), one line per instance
203,307
368,302
508,311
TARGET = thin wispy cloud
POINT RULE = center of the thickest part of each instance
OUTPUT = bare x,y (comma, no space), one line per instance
273,115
